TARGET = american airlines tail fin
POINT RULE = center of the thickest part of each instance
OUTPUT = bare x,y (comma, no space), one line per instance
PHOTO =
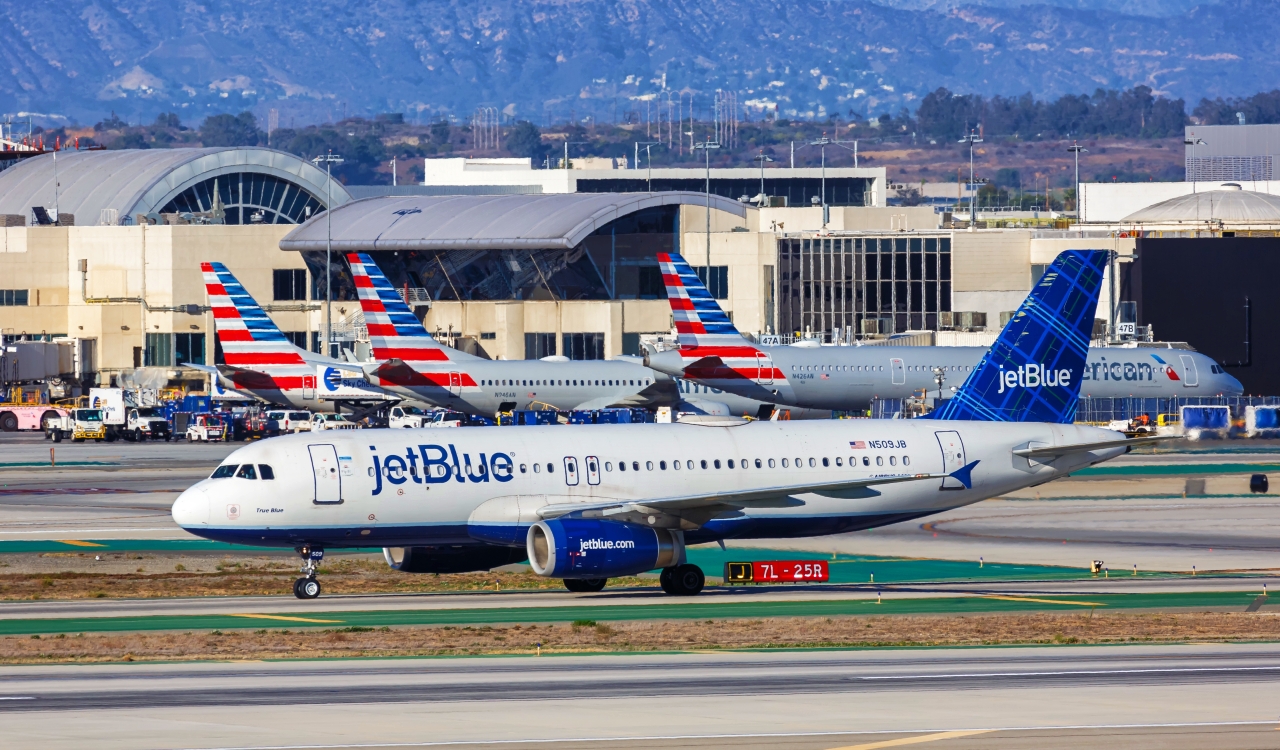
249,338
1033,371
394,331
699,320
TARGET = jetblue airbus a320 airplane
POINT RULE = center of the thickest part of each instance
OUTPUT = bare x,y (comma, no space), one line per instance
586,503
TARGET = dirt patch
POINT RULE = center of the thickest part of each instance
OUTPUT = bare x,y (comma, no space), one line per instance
143,576
590,636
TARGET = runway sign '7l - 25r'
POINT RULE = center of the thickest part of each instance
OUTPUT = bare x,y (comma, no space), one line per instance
777,571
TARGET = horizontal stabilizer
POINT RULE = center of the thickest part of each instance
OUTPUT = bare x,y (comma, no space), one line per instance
1048,451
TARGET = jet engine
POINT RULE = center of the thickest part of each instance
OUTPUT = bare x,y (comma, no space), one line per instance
593,548
451,559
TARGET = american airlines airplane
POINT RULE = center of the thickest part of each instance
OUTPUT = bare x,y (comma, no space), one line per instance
590,502
262,362
848,378
413,364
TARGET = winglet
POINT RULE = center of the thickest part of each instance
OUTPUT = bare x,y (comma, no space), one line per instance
963,475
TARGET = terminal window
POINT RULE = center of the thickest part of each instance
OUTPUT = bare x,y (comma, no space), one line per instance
188,348
584,345
717,281
13,297
863,285
289,284
539,345
297,338
159,351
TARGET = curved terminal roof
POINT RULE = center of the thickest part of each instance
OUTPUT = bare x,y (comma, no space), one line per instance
1229,204
481,222
142,181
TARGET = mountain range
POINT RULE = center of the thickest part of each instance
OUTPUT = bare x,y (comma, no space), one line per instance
552,60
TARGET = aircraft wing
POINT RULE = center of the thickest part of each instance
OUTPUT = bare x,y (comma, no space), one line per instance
691,511
1048,451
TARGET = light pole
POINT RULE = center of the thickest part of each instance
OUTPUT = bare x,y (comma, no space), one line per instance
971,139
567,144
1193,142
822,142
762,158
705,147
648,158
329,159
1076,149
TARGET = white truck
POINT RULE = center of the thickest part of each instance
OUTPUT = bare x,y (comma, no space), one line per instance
145,423
331,422
283,422
408,417
78,425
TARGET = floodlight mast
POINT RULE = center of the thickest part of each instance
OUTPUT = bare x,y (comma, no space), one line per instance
1076,149
1193,142
822,143
971,139
329,159
762,158
705,147
649,159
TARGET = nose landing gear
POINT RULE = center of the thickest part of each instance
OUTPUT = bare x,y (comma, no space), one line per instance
307,587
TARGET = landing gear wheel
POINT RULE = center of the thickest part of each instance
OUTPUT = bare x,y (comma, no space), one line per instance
683,580
585,585
306,588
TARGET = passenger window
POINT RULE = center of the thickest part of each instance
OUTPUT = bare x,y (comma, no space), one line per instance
662,465
812,463
731,463
537,468
222,472
635,465
608,466
704,463
799,462
688,465
717,463
757,463
879,460
906,460
839,461
675,465
551,468
893,460
771,463
866,461
247,472
784,463
266,472
826,462
648,465
622,466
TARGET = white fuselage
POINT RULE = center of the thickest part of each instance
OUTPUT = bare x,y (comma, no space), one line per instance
391,488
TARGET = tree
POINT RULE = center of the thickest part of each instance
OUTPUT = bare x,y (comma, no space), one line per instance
167,120
525,140
231,130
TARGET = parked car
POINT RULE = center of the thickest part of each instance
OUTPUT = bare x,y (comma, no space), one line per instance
332,422
205,428
282,421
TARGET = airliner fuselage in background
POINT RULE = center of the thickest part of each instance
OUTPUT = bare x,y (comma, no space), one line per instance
586,503
849,378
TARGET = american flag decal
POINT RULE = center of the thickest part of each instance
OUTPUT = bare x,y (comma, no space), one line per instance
858,445
826,376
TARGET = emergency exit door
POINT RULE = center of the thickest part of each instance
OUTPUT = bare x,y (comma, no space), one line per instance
952,457
898,371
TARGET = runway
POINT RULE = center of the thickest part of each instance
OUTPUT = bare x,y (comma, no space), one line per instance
1170,696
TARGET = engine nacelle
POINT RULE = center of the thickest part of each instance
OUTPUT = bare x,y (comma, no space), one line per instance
592,548
451,559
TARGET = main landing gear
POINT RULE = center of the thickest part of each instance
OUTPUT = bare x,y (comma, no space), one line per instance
585,585
682,580
307,587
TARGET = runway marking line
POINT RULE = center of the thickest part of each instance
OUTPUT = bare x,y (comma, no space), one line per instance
287,619
78,543
915,740
1039,601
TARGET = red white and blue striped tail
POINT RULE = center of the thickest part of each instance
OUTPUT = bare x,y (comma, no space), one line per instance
249,338
394,331
699,320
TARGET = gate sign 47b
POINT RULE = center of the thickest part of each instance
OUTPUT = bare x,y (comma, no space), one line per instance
777,571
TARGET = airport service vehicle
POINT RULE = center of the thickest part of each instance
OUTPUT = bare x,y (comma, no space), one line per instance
88,424
262,362
282,421
321,422
588,503
19,416
848,378
207,428
145,423
414,365
401,417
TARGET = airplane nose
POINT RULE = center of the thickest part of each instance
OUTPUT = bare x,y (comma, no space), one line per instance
1232,386
191,508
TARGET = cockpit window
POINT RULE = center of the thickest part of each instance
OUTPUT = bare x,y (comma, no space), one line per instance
222,472
266,472
247,472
